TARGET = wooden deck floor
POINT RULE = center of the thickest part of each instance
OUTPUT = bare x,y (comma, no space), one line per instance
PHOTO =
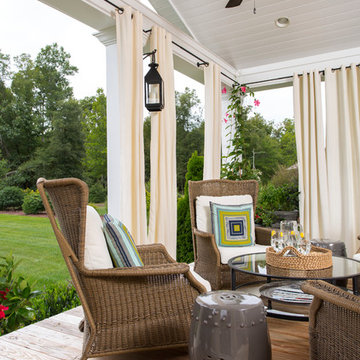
58,338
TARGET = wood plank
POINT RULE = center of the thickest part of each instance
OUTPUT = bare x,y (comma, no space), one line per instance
18,352
60,334
62,326
50,342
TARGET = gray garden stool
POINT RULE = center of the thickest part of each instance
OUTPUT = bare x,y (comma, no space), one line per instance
229,325
337,247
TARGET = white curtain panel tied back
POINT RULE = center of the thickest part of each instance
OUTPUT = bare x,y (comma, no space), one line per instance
329,154
127,184
163,204
212,141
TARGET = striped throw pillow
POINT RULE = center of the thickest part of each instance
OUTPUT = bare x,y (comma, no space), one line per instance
121,245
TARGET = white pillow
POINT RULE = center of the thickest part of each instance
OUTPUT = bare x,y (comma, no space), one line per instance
203,217
96,252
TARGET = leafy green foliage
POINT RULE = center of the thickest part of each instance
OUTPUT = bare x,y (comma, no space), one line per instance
189,131
15,297
32,203
40,125
55,299
11,197
284,197
97,193
184,250
94,128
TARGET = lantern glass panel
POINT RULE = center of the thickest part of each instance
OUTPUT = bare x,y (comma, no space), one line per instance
153,94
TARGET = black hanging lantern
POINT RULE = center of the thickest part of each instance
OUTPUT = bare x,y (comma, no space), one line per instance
154,86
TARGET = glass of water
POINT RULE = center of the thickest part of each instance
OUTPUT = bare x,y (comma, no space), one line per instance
304,244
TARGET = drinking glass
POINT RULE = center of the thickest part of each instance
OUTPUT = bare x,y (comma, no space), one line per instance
277,241
304,244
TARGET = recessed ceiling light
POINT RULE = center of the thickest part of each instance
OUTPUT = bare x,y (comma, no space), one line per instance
282,22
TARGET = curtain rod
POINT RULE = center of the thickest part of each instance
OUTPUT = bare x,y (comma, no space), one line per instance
291,76
181,47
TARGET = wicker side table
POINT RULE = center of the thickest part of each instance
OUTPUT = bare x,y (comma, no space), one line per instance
229,325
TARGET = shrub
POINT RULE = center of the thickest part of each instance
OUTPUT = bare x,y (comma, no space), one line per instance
54,300
11,197
275,198
285,175
97,193
32,203
15,298
185,252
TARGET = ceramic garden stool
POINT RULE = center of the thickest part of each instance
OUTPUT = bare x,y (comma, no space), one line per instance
337,247
229,325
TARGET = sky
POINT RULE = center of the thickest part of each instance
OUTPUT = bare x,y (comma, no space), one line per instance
28,25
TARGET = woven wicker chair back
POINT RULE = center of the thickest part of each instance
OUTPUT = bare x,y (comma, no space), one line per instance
68,199
219,188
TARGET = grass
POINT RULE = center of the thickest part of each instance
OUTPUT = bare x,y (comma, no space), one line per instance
31,240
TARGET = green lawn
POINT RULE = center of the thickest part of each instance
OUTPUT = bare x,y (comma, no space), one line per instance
32,241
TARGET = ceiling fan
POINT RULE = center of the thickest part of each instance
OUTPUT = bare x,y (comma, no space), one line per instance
233,3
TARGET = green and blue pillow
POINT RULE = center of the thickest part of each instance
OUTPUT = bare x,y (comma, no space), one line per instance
233,225
120,243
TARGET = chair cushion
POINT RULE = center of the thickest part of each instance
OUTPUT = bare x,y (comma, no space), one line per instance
120,243
203,218
233,225
226,253
199,278
96,254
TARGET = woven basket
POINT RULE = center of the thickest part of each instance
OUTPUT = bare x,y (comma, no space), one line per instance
318,258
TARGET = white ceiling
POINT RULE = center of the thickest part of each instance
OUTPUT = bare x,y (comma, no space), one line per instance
245,40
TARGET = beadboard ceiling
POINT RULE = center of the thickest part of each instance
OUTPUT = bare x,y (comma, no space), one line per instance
246,40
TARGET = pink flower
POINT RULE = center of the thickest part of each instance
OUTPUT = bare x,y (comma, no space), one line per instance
256,102
223,91
4,293
2,309
243,89
225,120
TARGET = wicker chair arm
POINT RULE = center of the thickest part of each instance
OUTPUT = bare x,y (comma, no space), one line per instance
207,250
154,254
138,271
263,235
332,294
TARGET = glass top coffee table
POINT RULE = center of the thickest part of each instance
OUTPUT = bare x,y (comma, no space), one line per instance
288,290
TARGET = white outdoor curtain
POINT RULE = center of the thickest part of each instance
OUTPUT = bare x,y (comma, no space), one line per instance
343,154
162,222
130,206
212,142
309,131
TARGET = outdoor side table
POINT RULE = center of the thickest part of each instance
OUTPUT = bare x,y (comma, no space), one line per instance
229,325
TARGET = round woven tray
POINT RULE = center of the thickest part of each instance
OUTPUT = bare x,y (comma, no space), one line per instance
318,258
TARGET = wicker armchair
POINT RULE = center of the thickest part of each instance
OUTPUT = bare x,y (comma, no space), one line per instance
334,326
126,309
206,253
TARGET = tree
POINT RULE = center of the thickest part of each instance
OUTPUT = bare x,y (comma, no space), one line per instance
94,127
259,141
51,71
189,131
286,136
185,252
63,154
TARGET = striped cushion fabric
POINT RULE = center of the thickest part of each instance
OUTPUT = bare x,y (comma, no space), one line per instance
121,245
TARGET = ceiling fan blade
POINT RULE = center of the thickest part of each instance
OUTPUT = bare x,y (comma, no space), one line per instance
233,3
